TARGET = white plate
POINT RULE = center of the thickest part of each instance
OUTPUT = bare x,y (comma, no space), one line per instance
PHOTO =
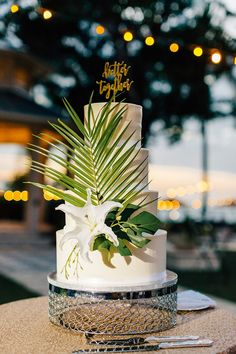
192,307
190,300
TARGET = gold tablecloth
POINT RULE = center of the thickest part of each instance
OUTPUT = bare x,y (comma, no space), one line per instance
25,329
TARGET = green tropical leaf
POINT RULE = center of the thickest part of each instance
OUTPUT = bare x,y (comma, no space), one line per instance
120,163
101,242
75,117
129,210
146,222
123,249
136,238
93,157
60,194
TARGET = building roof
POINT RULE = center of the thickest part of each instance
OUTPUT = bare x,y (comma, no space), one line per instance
18,107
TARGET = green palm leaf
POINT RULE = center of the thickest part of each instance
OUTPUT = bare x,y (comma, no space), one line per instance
97,156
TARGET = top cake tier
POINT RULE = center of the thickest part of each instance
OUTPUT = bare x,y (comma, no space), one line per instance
132,116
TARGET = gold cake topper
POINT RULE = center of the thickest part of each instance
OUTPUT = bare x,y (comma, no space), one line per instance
114,79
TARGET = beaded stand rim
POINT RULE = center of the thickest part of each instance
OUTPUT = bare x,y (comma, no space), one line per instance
169,284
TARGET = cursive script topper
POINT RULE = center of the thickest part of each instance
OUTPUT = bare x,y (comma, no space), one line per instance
114,79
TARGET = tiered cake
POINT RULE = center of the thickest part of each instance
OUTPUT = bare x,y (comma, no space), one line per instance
111,273
147,265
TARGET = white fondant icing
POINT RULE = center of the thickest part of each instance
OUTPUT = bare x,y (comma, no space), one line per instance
147,197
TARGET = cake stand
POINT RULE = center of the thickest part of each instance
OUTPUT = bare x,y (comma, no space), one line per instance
114,311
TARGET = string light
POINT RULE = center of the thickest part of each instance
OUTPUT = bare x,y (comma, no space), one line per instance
16,196
168,204
198,51
216,58
50,196
149,40
24,196
100,29
8,195
176,204
14,8
174,47
47,14
128,36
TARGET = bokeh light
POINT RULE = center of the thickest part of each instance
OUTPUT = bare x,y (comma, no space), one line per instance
8,195
128,36
203,186
197,51
216,58
50,196
24,196
176,204
17,196
149,40
174,47
47,14
100,29
14,8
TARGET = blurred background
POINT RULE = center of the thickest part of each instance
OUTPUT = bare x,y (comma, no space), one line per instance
183,63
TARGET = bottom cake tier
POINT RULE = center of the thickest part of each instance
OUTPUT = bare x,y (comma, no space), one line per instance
125,310
146,265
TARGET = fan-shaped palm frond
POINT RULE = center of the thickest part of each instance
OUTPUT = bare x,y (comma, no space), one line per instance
96,156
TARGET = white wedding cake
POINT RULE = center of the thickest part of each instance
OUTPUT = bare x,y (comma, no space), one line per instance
146,265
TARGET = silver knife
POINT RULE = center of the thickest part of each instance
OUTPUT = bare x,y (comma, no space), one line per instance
147,347
141,340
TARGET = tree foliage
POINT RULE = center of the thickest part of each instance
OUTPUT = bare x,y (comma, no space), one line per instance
171,86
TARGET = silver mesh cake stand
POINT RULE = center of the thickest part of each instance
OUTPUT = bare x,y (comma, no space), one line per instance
114,311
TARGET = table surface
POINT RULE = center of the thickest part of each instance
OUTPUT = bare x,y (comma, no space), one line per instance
25,329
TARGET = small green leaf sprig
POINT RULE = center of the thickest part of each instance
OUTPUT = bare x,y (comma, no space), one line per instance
129,229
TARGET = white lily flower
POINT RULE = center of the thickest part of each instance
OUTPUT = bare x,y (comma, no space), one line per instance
89,222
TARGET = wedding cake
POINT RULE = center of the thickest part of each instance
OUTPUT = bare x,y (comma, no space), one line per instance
146,264
111,275
112,235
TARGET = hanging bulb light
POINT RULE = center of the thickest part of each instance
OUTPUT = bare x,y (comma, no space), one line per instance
149,40
216,57
14,8
47,14
198,51
100,29
174,47
128,36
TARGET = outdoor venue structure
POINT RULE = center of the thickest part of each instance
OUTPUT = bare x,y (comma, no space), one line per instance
20,118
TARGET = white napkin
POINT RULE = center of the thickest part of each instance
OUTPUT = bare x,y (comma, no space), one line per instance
190,300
